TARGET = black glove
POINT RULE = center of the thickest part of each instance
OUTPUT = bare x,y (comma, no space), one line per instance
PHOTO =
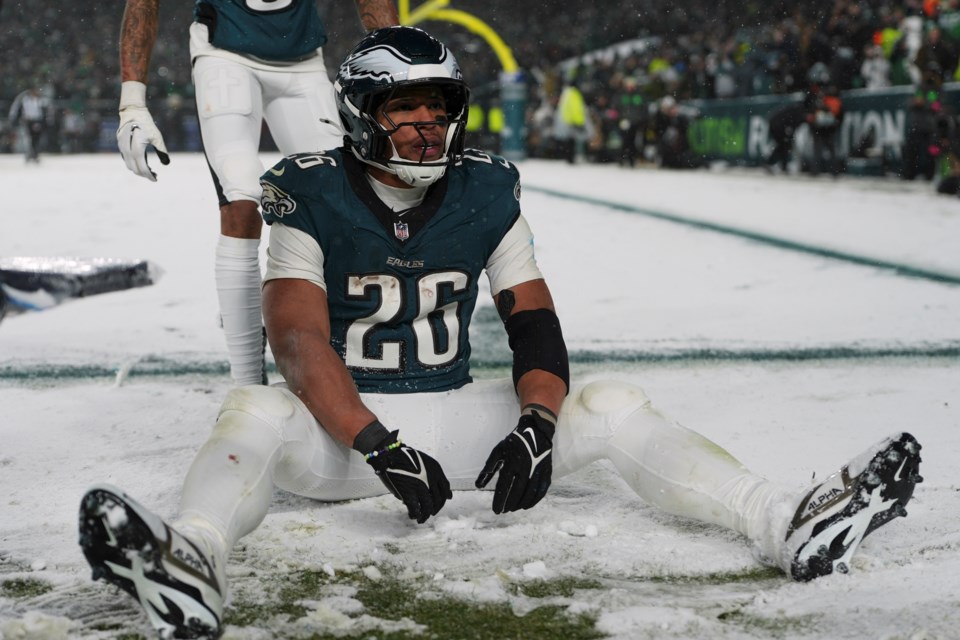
525,462
412,476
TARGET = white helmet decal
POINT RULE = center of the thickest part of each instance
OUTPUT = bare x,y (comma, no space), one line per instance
387,64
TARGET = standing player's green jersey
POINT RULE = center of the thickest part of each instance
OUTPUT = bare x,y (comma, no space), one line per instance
273,30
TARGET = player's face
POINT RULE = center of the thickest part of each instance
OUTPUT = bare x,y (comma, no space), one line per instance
425,106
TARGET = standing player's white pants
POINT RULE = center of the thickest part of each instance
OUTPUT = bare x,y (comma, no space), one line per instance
266,437
233,100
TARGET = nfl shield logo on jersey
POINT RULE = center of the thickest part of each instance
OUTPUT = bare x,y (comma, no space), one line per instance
401,230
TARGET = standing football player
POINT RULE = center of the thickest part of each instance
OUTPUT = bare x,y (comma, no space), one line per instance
33,110
253,60
376,251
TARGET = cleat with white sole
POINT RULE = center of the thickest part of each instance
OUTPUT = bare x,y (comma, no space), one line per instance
175,582
834,517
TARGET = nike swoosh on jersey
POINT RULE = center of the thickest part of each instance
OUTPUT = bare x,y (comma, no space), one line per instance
278,173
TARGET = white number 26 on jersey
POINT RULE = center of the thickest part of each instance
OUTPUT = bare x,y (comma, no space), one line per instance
386,355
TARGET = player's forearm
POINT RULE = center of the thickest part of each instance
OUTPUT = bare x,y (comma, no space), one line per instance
543,388
314,371
376,14
138,33
540,354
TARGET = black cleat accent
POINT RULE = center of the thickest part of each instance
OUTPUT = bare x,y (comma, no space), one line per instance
169,576
835,516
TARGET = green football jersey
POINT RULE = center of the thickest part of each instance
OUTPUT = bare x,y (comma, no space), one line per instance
281,30
401,287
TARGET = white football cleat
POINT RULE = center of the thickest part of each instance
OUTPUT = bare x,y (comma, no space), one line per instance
834,516
173,580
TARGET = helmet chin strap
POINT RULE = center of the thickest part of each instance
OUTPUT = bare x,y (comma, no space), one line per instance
415,174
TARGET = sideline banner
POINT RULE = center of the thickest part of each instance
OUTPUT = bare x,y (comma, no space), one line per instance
736,130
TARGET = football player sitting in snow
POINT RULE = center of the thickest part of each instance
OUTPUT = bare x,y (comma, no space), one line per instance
375,254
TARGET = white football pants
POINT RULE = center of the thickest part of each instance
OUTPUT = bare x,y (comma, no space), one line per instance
265,437
233,100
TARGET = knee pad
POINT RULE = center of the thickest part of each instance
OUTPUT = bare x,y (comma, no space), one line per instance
269,405
611,396
239,171
590,417
272,425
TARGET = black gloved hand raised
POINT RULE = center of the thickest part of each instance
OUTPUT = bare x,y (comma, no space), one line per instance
411,476
525,462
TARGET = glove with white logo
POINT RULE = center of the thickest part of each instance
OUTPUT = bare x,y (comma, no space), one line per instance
525,462
412,476
137,131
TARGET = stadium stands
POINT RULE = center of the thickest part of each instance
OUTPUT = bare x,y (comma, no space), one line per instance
690,49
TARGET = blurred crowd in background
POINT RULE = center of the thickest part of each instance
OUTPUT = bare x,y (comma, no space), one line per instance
606,81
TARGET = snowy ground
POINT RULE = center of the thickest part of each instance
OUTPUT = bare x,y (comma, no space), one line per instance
813,359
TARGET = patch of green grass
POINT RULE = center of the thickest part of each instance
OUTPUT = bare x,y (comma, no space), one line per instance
560,587
721,578
24,588
304,585
116,626
393,548
778,627
443,616
119,635
447,617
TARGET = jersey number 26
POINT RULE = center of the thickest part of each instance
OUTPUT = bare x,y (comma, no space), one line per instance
432,318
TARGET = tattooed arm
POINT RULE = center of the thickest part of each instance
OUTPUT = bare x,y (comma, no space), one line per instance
376,14
138,33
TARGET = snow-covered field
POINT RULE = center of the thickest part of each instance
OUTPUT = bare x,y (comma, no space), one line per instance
813,359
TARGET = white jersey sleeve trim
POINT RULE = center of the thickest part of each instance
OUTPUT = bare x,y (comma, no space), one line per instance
292,253
513,262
